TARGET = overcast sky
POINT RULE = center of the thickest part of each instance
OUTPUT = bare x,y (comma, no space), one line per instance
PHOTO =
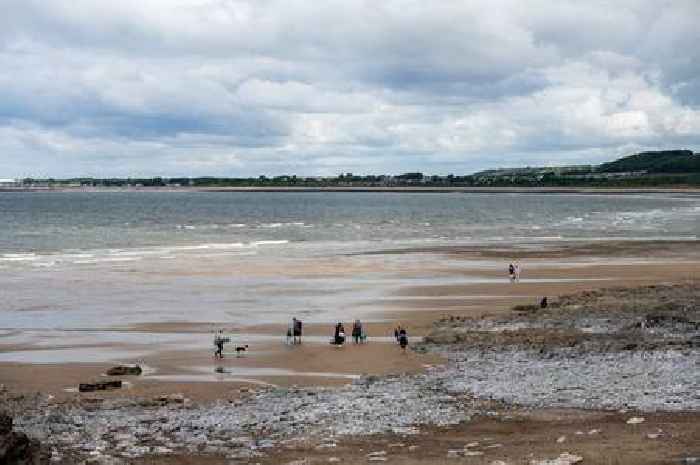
243,88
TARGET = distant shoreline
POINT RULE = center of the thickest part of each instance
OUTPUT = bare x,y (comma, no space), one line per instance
367,189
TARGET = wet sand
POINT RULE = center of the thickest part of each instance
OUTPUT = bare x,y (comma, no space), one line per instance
472,283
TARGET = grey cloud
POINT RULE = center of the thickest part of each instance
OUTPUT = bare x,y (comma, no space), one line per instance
243,87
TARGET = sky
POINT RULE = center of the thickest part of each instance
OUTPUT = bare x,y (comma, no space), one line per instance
245,88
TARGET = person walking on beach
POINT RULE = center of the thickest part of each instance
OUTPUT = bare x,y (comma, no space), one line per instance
511,272
296,328
357,331
219,343
396,333
339,334
403,339
543,302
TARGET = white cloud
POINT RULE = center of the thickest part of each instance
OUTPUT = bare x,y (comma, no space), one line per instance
226,87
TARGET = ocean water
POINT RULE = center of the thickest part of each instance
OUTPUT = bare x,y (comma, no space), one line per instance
99,261
132,224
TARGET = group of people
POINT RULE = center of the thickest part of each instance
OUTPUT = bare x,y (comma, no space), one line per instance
358,334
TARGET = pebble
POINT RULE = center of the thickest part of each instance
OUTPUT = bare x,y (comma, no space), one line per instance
635,421
561,439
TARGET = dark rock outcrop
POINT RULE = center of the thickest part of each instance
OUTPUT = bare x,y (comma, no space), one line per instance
99,386
17,448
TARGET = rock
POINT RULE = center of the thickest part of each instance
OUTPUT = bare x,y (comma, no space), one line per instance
5,423
594,431
333,460
17,448
99,386
563,459
635,421
471,444
299,462
472,453
498,462
561,439
653,435
125,370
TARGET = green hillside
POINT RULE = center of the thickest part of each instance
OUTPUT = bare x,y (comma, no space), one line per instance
664,161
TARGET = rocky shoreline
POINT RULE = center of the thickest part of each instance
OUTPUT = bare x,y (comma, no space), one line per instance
630,349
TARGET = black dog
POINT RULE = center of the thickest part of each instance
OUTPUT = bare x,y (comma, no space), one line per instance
241,349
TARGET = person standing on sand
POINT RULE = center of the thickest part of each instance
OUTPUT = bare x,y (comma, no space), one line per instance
511,272
403,339
396,332
219,343
357,331
296,329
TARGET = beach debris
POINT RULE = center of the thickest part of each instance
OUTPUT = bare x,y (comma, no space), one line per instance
563,459
125,370
635,421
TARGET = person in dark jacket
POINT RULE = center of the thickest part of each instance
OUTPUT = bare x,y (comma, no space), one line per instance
357,331
403,338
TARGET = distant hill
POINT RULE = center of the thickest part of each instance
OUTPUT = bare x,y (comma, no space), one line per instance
664,161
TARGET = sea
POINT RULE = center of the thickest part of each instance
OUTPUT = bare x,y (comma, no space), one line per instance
100,261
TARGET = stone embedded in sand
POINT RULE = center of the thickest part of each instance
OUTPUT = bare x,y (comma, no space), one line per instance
635,421
563,459
299,462
99,386
125,370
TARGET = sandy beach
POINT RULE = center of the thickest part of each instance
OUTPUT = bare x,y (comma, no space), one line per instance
472,286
